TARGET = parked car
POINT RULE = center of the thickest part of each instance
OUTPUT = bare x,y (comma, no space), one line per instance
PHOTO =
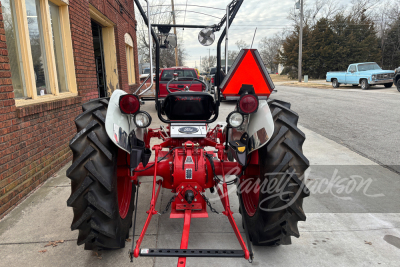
210,76
365,74
396,79
146,73
185,78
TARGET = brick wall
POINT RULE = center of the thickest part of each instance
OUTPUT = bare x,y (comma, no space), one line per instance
34,138
82,44
34,143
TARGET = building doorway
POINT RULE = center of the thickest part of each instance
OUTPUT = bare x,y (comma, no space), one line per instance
99,59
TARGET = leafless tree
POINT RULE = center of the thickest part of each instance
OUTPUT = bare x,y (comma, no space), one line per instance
332,8
232,54
161,13
316,9
241,44
363,8
311,11
269,49
208,62
384,19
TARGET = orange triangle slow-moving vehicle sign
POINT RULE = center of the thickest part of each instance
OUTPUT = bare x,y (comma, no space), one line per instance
248,69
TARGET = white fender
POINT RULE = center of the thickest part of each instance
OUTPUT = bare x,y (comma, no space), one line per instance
259,126
119,125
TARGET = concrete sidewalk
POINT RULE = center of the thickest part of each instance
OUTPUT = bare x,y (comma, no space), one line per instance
327,239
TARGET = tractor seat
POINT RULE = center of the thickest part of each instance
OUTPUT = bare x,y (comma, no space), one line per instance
192,106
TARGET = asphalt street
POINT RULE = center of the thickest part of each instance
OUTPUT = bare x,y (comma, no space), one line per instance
366,121
350,221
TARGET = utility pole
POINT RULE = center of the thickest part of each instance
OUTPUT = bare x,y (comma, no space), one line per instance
301,40
209,60
173,21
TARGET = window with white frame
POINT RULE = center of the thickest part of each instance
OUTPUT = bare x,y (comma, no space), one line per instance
130,59
58,47
39,47
14,53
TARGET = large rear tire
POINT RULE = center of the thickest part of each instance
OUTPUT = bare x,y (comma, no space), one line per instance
272,212
102,204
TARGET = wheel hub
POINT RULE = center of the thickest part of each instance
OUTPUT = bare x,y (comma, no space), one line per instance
250,197
124,186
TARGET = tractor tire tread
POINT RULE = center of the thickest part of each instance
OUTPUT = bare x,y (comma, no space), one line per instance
93,137
91,103
275,220
93,182
81,188
292,126
96,202
295,150
84,217
96,174
290,114
280,102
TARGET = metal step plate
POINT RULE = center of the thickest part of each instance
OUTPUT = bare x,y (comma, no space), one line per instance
219,253
194,130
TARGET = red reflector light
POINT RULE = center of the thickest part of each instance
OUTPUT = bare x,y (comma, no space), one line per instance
129,104
248,104
212,80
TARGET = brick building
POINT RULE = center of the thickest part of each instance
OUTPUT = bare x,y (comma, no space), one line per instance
54,56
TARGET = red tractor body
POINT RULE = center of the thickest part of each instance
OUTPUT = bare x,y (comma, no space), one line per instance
188,171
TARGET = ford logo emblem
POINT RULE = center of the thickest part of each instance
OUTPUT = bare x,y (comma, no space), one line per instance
188,130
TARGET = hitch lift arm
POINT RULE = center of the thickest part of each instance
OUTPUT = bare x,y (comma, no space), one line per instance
183,252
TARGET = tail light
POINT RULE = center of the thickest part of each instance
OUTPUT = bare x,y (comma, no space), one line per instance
129,104
248,103
212,81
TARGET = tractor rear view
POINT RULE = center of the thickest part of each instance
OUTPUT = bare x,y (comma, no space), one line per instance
259,144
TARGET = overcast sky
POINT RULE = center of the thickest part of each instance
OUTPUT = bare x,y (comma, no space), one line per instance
269,16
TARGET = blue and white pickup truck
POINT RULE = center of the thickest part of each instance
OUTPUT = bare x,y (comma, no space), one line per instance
365,74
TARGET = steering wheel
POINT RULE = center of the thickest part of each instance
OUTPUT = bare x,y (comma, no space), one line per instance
193,79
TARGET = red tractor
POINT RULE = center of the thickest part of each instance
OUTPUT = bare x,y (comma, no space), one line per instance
260,144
